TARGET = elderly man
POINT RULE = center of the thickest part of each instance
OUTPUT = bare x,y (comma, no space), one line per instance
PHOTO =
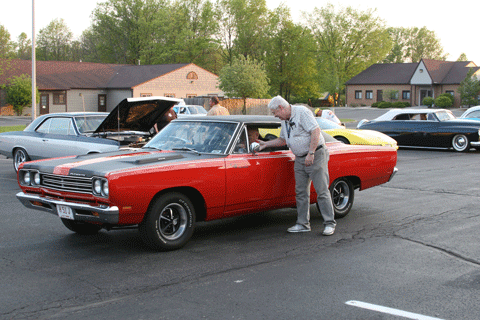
301,133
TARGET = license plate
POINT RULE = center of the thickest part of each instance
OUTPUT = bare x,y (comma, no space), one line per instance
65,212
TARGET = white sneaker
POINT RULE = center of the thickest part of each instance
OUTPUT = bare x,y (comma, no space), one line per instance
328,231
298,228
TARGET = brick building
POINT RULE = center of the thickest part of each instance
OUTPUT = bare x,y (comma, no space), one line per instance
411,81
66,86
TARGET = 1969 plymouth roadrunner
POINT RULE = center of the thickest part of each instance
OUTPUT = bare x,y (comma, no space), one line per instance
195,169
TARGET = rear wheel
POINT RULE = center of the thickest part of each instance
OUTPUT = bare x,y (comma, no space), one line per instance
81,227
169,222
19,157
342,197
460,143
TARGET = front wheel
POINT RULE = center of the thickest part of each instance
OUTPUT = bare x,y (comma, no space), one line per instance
20,155
342,197
460,143
169,222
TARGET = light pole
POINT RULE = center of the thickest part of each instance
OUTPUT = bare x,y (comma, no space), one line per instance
34,73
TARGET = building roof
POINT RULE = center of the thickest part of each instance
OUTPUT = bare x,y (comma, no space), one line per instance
441,72
65,75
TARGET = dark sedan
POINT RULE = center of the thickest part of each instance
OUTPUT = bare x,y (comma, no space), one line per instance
426,128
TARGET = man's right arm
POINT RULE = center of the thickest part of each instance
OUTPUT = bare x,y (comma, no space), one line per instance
278,142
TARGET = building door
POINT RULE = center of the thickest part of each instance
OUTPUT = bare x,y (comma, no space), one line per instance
44,109
102,102
424,94
379,95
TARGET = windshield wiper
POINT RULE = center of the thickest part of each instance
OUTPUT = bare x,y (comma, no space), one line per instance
150,147
186,149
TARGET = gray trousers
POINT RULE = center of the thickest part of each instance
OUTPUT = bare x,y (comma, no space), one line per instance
318,174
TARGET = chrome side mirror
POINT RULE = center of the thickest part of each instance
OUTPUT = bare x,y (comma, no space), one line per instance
254,147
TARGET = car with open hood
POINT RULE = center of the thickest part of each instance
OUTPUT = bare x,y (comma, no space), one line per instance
195,169
426,128
74,133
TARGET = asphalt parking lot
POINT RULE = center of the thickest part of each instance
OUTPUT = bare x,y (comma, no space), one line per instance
408,250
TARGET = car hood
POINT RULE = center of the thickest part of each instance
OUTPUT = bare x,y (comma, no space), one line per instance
101,164
136,114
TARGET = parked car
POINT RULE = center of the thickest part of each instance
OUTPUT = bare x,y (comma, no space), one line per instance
195,169
353,136
190,110
426,128
74,133
472,113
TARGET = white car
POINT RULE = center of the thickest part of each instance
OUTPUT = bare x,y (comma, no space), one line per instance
472,113
189,110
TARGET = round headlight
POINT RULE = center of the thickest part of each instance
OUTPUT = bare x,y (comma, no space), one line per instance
27,178
105,188
36,178
97,186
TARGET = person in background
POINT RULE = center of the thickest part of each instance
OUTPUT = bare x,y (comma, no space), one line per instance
216,109
327,114
165,119
301,133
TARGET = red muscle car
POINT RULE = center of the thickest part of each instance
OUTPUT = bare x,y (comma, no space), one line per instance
195,169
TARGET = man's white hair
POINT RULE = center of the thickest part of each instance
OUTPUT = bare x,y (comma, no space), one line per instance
276,102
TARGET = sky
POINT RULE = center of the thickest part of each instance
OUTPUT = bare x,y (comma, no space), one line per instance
455,23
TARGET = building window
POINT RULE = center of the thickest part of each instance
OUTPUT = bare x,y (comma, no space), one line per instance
145,94
192,76
358,94
406,95
451,92
169,95
369,94
59,98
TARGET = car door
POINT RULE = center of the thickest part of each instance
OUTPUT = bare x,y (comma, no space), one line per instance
59,138
259,181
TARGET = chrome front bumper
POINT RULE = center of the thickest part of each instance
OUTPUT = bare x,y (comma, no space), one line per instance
475,144
81,212
395,170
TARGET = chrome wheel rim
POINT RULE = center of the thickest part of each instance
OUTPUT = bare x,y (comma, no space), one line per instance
20,157
172,221
340,195
460,142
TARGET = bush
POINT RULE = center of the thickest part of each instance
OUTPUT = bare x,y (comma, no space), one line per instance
375,104
400,104
384,104
428,101
445,100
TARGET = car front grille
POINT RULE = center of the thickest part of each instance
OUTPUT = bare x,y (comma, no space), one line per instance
70,184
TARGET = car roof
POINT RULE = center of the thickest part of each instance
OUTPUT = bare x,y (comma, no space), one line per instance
234,118
389,115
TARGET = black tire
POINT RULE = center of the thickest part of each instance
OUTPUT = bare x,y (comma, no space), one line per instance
460,143
169,222
20,155
342,197
81,227
342,139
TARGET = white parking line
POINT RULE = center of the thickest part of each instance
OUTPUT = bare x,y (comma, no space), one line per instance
391,311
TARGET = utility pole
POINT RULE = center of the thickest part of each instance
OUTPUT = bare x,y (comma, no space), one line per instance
34,69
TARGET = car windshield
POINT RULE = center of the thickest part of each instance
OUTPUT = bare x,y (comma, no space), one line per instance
325,124
88,123
200,136
445,115
197,110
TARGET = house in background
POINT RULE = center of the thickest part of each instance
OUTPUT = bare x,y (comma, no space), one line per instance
412,81
66,86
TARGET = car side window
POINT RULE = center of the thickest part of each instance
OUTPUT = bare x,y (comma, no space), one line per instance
45,126
241,145
61,126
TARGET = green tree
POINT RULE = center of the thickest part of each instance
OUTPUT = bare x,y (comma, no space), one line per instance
469,89
462,57
54,41
244,78
414,44
290,57
348,42
23,47
445,100
6,45
19,93
128,31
